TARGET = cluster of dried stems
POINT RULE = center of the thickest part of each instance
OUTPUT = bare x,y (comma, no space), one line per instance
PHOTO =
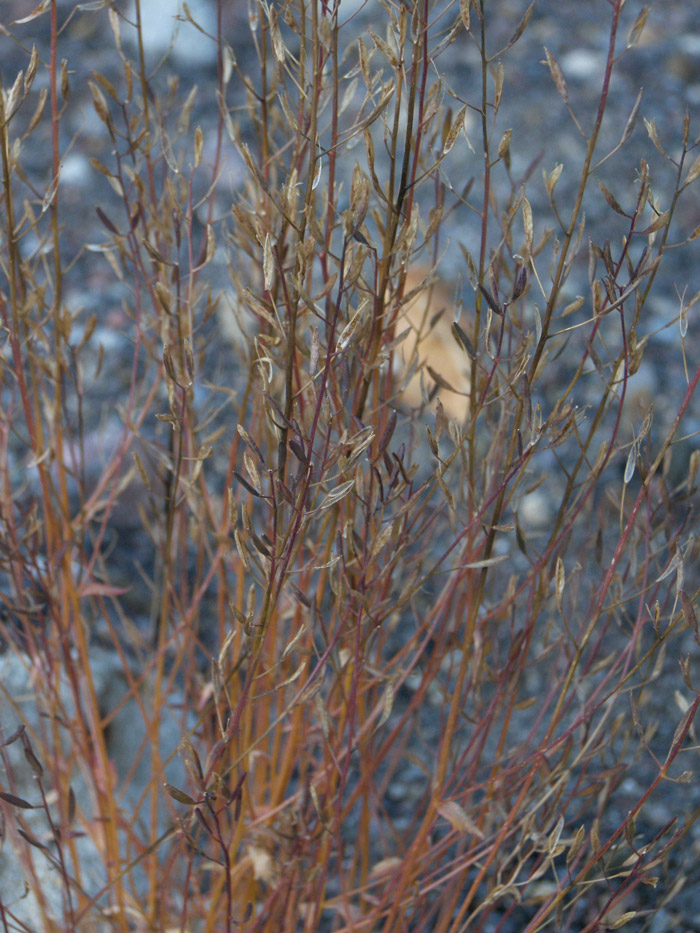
337,527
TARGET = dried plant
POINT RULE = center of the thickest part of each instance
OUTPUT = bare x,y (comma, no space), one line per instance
392,564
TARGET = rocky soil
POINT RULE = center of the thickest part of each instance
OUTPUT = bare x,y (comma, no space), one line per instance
666,66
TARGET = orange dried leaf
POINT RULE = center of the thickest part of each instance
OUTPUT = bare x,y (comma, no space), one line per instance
458,819
386,866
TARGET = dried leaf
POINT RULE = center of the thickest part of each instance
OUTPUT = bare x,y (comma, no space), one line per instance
322,714
522,25
262,862
106,85
557,75
386,436
198,146
504,143
298,452
654,136
689,613
527,399
630,464
384,48
335,495
560,583
553,838
102,589
211,245
455,130
99,103
13,98
602,454
246,485
520,283
356,327
385,866
438,379
551,180
607,194
359,199
657,224
179,795
682,729
693,172
32,840
169,364
458,819
387,705
115,26
65,84
252,472
278,46
33,761
432,442
36,116
575,846
634,35
527,224
106,221
498,75
16,801
487,562
623,919
31,69
631,120
268,267
36,12
464,341
693,465
573,306
491,301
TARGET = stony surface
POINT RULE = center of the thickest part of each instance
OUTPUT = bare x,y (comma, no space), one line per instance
30,886
666,65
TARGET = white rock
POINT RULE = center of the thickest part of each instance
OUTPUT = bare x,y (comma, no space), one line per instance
535,510
162,29
582,64
30,886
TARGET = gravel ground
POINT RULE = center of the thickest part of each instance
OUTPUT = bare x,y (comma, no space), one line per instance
666,66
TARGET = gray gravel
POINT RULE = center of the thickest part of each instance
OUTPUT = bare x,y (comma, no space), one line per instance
666,66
